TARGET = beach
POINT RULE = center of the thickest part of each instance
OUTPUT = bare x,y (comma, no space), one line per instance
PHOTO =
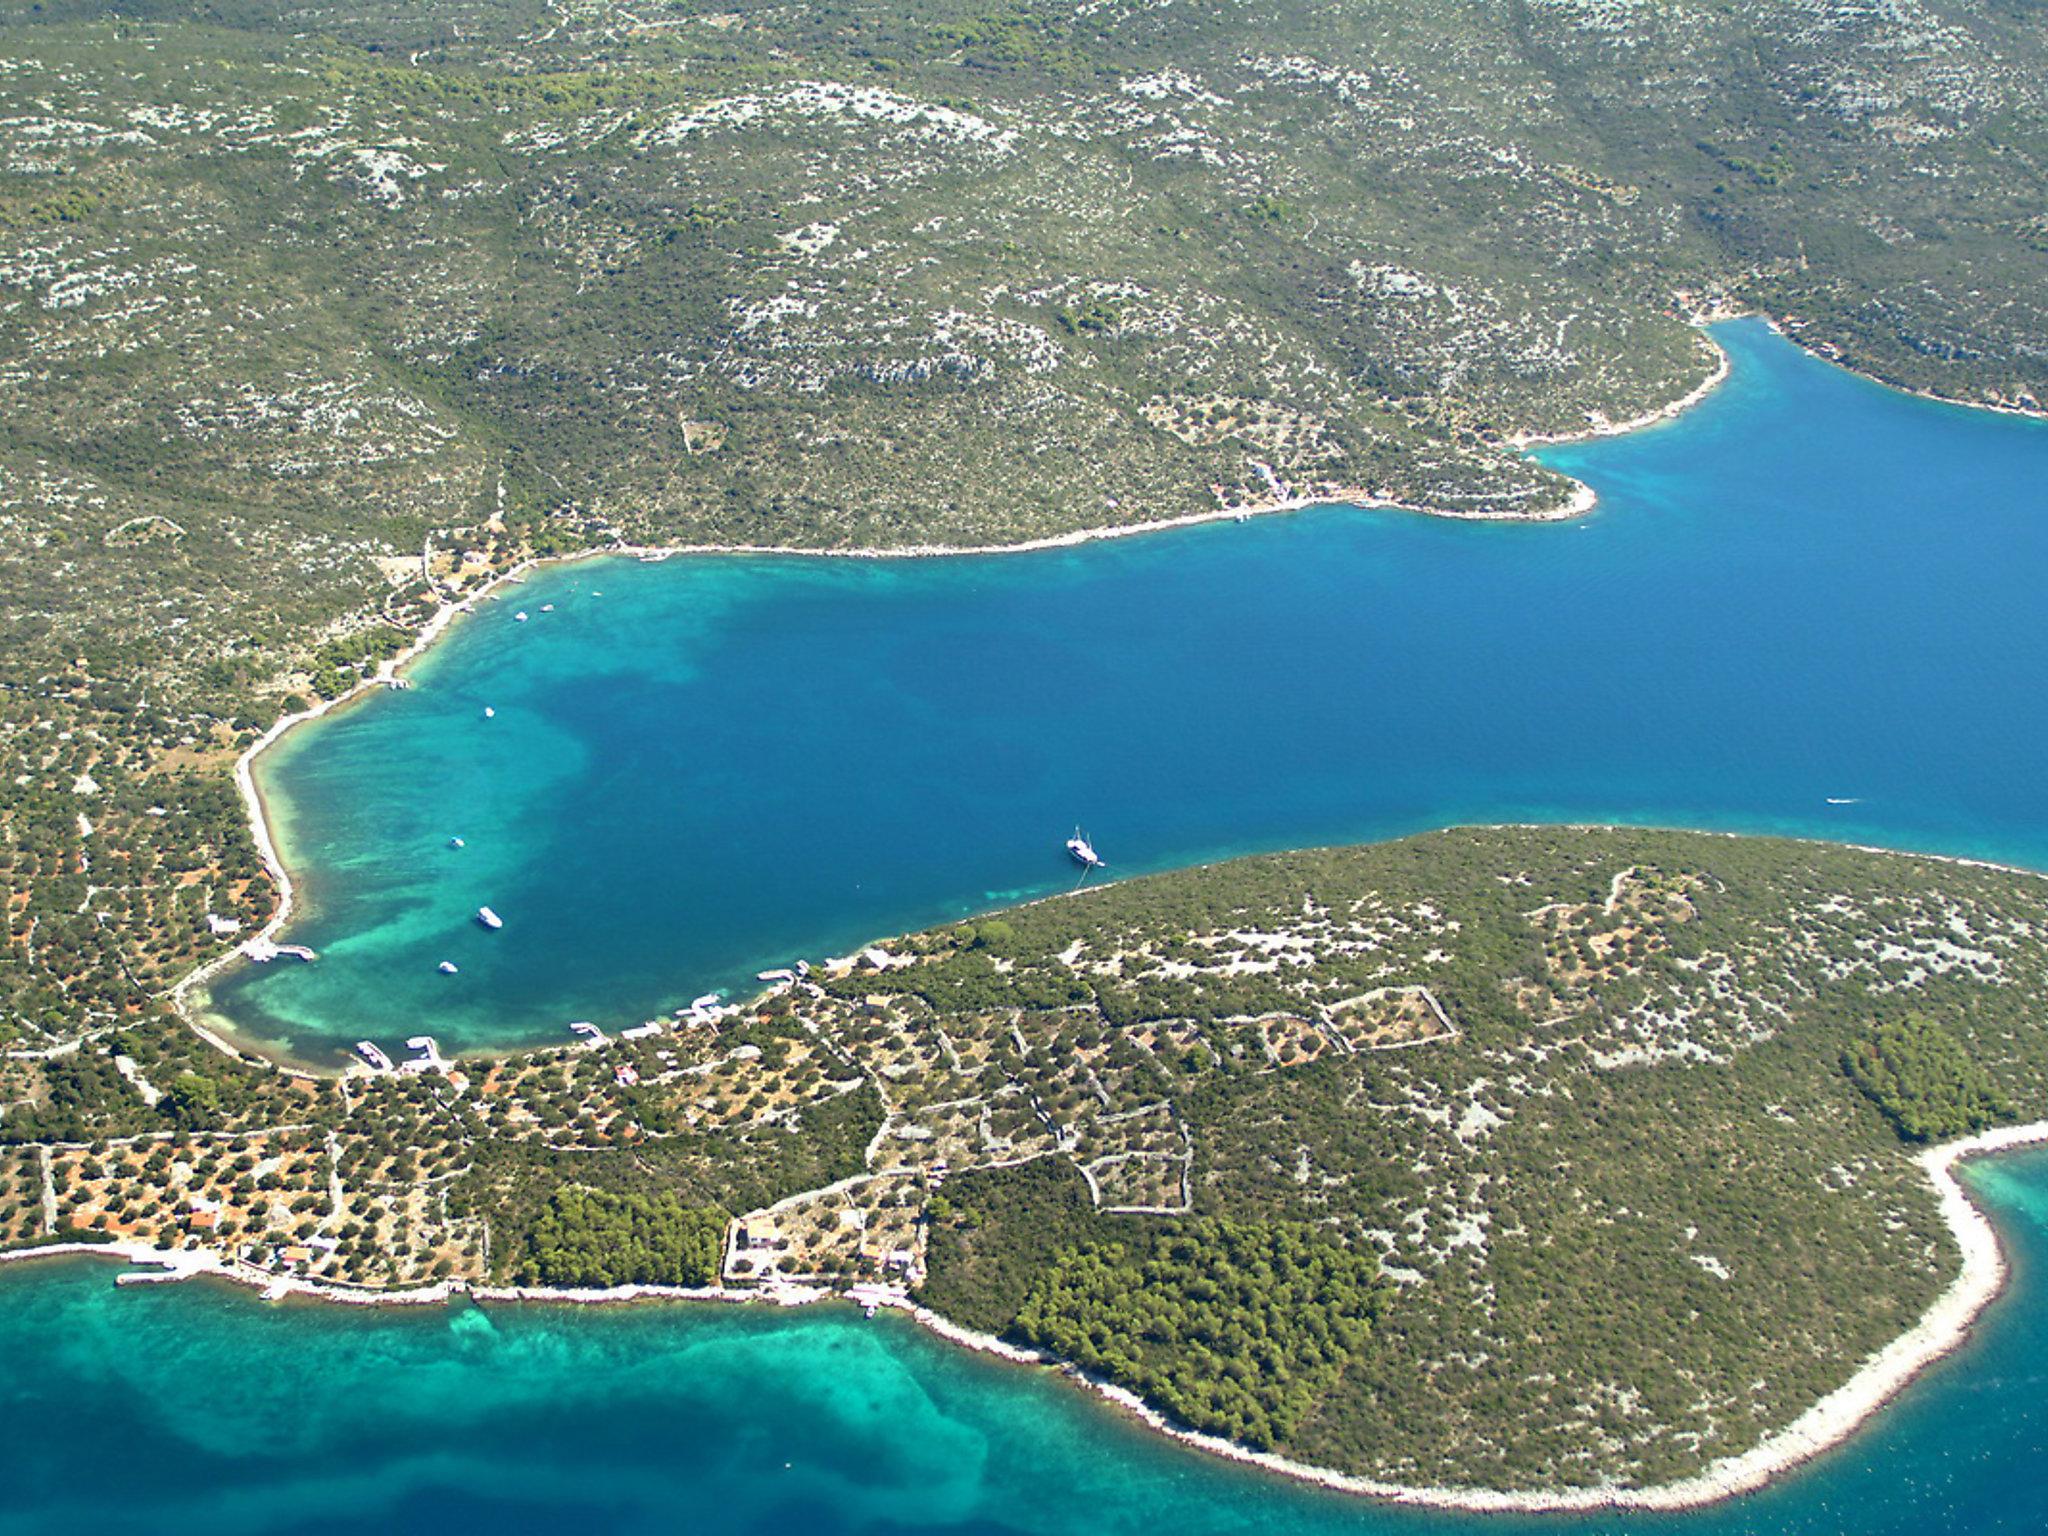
1581,500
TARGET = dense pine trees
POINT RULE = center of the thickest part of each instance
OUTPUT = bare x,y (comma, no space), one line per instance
586,1237
1925,1082
1233,1327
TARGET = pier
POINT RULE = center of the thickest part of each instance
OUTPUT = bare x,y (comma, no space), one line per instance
263,950
428,1057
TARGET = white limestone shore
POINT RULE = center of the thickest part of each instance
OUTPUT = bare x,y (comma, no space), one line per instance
1582,501
1676,408
1822,1427
1995,407
259,819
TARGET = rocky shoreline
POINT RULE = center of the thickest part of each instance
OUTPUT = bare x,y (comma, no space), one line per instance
1582,501
1821,1428
1715,378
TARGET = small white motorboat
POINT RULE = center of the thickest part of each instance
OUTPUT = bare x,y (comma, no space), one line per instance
455,842
489,918
449,967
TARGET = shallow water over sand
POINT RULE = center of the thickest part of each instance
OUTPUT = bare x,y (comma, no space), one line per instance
194,1408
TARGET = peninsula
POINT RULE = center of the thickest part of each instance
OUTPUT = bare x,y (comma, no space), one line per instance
1459,1163
314,329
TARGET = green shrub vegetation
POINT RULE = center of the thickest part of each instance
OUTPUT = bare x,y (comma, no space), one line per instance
304,303
587,1238
995,1232
1140,1142
1237,1328
1924,1080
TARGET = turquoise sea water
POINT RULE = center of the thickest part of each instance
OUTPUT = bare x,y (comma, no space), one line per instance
193,1408
1806,588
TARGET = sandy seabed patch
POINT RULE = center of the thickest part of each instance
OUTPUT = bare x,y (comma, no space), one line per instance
1820,1428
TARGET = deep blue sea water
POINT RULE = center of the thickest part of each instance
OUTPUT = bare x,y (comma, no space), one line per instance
1807,588
192,1408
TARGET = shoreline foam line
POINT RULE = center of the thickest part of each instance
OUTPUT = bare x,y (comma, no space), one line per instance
1823,1427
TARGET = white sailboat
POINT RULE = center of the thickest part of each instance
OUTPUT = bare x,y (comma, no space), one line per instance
1083,851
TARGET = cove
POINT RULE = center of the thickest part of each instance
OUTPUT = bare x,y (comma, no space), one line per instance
1809,605
192,1408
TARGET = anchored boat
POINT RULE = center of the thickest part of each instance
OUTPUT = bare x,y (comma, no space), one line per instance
1083,851
489,918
